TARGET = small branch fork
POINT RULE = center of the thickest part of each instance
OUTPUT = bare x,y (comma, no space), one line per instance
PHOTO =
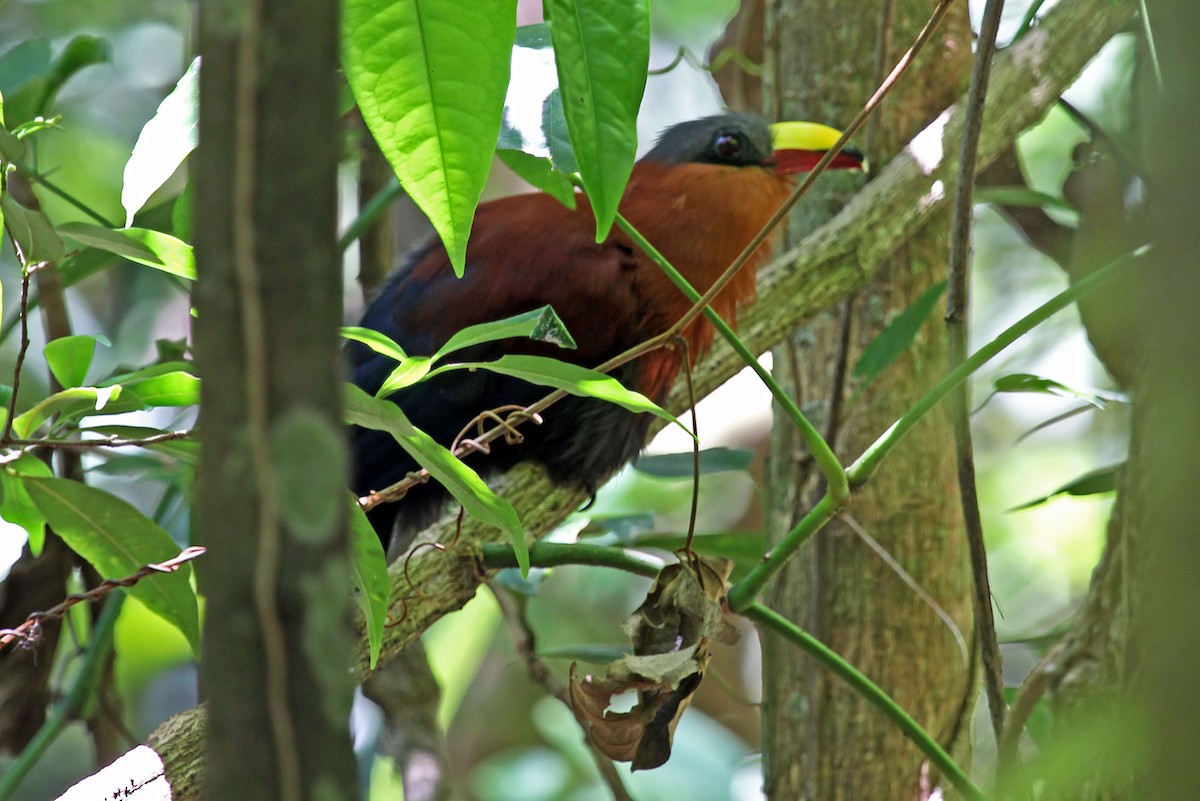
28,632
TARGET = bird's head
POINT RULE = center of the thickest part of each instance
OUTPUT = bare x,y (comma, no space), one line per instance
742,140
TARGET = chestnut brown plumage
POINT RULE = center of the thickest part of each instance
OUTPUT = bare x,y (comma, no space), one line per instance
700,195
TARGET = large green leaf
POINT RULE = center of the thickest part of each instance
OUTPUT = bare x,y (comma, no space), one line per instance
73,403
430,77
165,141
460,480
371,586
541,325
118,540
571,378
32,232
602,52
152,248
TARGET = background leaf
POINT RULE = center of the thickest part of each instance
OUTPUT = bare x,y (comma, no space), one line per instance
894,340
368,566
70,357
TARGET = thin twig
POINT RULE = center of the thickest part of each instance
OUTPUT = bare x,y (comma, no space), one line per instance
22,349
957,299
686,362
111,441
27,632
1032,689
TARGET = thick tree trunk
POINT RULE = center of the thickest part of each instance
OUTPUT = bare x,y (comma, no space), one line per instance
821,741
271,480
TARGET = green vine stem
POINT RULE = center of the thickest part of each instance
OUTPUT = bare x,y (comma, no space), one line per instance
746,591
824,456
871,692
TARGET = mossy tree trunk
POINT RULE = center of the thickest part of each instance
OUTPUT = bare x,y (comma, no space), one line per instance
821,741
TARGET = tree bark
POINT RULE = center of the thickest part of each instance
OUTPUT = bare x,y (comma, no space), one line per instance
271,480
822,741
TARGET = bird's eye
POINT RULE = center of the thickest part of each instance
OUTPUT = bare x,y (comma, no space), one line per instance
728,146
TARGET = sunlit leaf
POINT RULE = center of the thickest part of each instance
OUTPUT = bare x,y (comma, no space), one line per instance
894,340
410,370
165,141
602,52
368,565
171,255
568,377
176,388
379,342
430,77
74,403
460,480
541,325
117,540
70,357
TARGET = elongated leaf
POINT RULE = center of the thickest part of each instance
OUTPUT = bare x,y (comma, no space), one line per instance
376,341
568,377
171,255
32,232
23,63
539,172
165,141
369,568
681,465
1027,382
70,357
114,241
602,52
542,325
1094,483
176,388
117,540
16,506
430,77
410,370
894,340
73,403
460,480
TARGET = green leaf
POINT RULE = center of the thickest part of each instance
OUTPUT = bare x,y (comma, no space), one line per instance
72,403
165,141
1020,196
112,241
602,51
681,465
70,357
1027,382
23,63
375,340
571,378
539,172
171,255
430,78
32,232
410,370
176,388
118,540
1096,482
541,325
460,480
371,586
894,340
17,507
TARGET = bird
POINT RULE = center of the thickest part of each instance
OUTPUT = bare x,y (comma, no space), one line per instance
700,194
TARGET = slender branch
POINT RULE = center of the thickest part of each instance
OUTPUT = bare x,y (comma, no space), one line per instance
556,554
22,349
871,692
957,305
373,208
112,441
